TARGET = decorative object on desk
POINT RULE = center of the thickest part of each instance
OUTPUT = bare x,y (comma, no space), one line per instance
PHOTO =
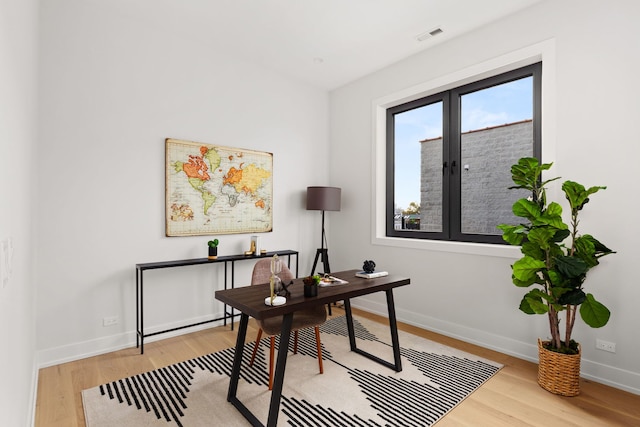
285,289
369,266
323,199
556,267
328,280
373,275
275,301
310,284
276,268
213,248
212,189
353,390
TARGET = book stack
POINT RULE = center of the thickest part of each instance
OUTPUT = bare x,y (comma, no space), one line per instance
373,275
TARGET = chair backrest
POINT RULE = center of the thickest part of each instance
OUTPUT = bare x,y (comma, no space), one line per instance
262,272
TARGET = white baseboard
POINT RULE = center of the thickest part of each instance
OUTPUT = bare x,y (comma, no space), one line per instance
81,350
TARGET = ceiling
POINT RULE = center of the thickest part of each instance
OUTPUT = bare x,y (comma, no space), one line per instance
326,43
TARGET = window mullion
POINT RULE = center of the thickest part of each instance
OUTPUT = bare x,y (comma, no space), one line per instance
454,172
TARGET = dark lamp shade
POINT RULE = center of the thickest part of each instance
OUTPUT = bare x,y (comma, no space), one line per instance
323,198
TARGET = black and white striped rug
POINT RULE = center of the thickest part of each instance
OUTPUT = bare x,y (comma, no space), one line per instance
353,391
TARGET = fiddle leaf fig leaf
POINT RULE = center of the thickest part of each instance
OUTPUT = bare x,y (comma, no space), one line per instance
589,249
561,235
600,248
553,216
542,237
533,250
526,209
594,313
512,234
524,283
533,303
572,297
577,195
571,266
526,269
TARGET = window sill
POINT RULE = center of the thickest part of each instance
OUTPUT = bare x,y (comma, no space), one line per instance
484,249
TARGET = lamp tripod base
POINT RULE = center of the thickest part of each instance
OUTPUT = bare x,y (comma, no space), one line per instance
323,254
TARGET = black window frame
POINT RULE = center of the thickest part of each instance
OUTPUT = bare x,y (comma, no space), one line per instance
451,155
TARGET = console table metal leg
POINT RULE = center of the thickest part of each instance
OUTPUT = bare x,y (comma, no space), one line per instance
137,309
233,285
225,287
141,314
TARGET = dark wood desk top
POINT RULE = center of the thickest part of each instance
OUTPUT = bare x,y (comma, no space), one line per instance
250,299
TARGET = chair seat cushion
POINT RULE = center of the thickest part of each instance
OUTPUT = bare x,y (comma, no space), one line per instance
301,319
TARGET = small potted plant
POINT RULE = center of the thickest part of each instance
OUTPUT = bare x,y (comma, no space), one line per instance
311,285
213,248
555,263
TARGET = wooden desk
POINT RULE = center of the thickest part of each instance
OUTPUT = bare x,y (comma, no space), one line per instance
228,259
249,301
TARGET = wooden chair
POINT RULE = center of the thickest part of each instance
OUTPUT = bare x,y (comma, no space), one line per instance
313,317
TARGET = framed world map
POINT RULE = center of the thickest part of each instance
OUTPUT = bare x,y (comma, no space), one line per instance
212,189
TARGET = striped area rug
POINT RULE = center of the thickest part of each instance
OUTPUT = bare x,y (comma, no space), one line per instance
353,391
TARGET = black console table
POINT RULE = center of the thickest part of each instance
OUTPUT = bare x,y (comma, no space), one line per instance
229,259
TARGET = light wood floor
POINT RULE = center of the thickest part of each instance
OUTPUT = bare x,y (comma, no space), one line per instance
510,398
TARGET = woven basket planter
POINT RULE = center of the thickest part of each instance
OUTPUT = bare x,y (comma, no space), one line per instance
559,373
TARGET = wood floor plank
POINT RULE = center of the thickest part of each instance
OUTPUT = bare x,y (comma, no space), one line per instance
511,398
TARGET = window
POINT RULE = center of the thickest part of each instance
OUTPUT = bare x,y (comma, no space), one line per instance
449,157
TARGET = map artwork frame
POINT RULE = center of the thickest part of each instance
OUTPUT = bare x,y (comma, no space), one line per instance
213,189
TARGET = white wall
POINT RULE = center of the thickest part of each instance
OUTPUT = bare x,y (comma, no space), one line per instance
18,124
589,130
112,89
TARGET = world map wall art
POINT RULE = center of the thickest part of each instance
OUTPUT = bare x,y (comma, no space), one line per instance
211,189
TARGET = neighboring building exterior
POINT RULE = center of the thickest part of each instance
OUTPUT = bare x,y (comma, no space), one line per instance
486,160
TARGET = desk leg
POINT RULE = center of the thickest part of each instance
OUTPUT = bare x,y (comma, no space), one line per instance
393,325
278,377
395,343
352,334
276,393
235,374
237,358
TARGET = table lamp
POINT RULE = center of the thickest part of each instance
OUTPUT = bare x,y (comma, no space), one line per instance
323,199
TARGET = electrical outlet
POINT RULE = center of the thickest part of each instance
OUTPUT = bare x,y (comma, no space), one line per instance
110,321
606,346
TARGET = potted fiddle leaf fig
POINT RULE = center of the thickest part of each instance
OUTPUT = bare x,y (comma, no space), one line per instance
213,248
555,262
